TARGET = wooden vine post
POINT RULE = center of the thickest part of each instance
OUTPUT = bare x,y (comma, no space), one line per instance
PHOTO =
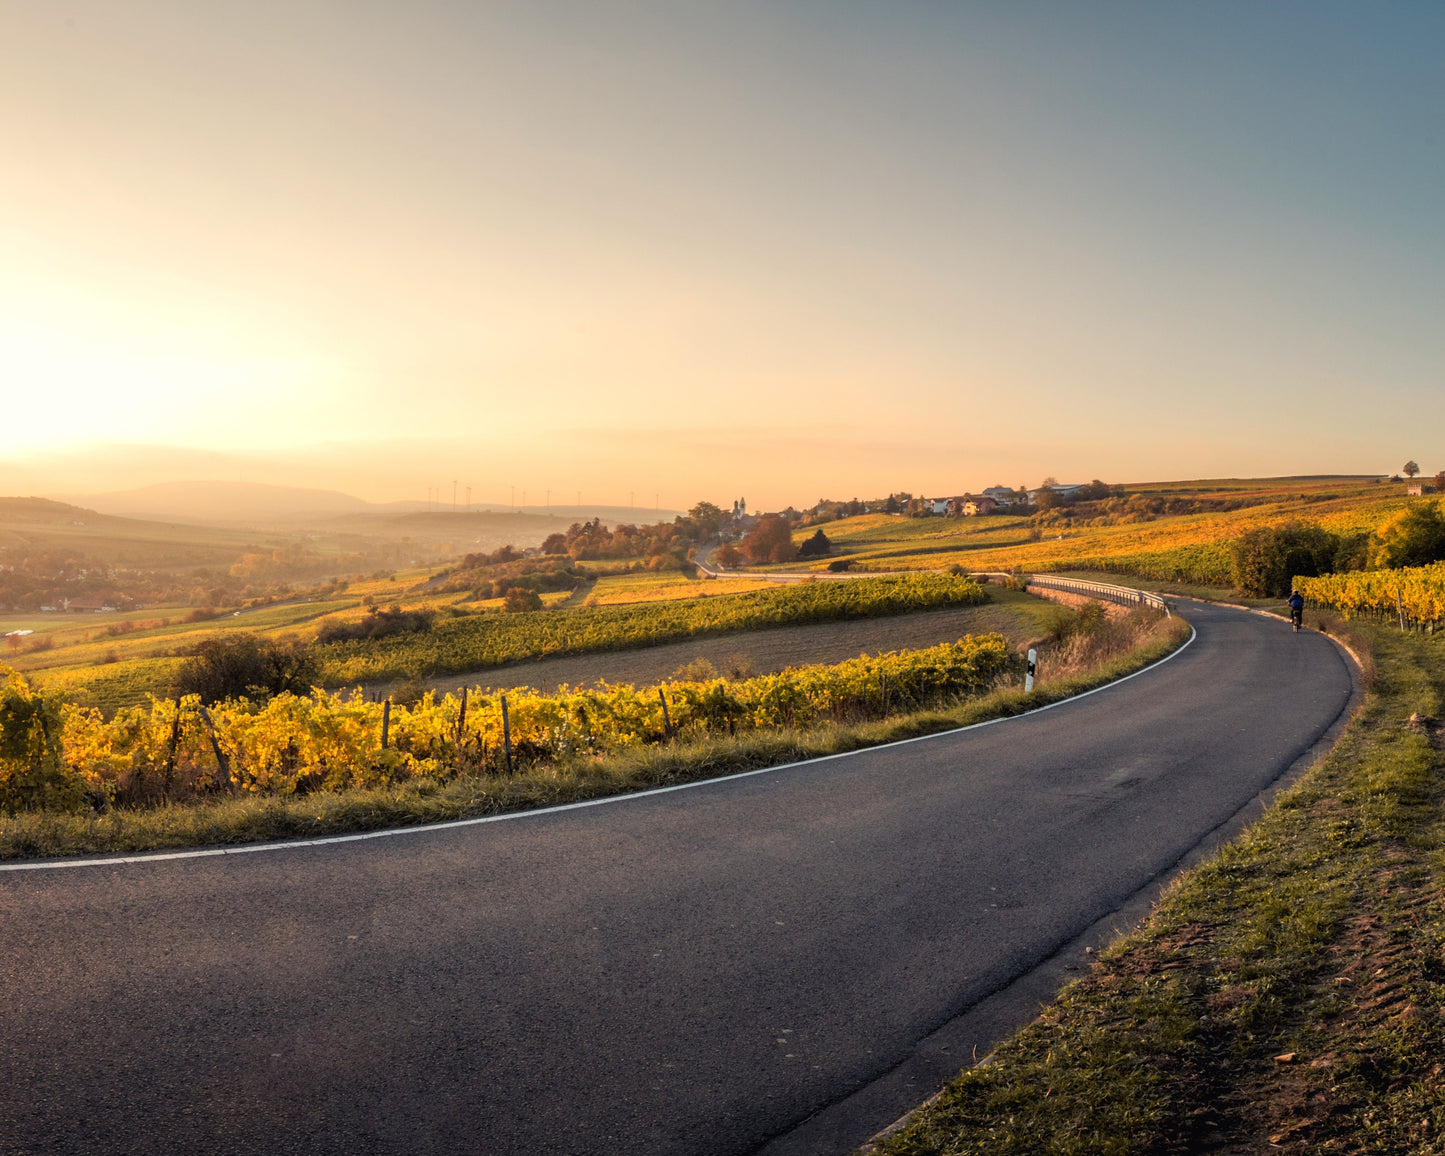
171,751
462,718
385,723
666,718
222,762
506,735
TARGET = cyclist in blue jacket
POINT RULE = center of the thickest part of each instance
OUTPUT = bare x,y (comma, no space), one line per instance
1296,608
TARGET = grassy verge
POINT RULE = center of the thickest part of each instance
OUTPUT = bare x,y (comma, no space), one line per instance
238,820
1287,995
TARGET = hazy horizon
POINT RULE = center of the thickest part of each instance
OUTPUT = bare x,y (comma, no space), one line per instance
662,253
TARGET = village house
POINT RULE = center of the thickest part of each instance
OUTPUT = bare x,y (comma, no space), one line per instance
1061,491
975,506
88,605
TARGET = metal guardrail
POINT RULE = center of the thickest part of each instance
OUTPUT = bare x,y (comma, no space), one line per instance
1103,591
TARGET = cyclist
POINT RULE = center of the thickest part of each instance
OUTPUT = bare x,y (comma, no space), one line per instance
1296,609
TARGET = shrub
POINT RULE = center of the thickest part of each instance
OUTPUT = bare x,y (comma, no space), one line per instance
1413,537
739,665
246,665
1264,561
379,625
1080,623
519,600
698,670
817,546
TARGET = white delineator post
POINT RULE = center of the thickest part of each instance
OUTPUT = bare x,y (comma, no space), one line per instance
1033,665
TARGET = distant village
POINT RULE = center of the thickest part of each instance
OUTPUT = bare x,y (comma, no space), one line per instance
992,500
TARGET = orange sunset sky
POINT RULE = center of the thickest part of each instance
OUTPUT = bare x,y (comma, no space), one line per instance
710,250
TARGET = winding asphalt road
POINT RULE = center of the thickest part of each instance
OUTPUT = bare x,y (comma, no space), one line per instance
689,972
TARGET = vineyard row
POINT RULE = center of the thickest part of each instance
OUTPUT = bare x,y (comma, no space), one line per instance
1414,593
174,750
482,641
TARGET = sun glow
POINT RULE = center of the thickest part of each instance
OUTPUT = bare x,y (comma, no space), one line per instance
70,378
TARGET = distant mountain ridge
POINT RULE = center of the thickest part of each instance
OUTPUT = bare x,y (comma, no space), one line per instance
232,503
212,501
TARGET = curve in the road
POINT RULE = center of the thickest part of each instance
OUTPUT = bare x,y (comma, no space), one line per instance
693,972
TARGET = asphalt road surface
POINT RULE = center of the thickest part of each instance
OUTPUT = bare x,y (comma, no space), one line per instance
692,972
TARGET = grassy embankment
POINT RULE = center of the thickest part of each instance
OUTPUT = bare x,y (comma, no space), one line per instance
1287,995
1082,662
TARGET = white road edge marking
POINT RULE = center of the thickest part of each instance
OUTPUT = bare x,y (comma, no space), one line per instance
450,824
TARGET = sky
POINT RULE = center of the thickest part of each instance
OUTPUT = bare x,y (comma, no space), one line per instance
692,251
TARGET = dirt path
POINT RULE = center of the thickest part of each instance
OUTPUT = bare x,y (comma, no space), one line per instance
1019,616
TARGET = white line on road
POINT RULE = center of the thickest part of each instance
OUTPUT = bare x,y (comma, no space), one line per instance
391,832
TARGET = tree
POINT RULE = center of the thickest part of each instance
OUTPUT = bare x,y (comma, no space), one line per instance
1264,561
247,665
707,518
1413,537
729,555
519,600
770,541
1048,498
1440,482
378,624
818,546
1411,469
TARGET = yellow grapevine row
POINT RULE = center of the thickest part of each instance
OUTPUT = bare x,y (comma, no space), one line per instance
327,741
1417,592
